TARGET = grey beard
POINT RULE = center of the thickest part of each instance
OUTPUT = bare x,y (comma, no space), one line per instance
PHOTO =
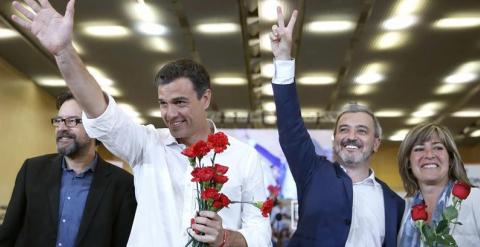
70,150
352,160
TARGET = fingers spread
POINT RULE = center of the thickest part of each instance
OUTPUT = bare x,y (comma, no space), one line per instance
280,18
27,13
292,21
21,22
33,4
45,3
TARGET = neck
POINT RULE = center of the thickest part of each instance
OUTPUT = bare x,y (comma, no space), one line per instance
201,134
431,193
357,172
81,160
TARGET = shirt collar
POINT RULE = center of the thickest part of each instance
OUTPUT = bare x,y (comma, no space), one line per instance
170,140
370,180
91,167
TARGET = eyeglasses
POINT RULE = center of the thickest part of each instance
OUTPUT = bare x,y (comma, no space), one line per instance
69,122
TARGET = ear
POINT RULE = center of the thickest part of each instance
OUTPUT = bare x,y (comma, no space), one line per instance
206,97
376,144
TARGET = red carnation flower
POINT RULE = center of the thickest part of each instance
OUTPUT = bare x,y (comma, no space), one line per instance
203,174
274,190
461,190
221,202
220,170
419,212
189,152
266,207
210,193
218,142
219,179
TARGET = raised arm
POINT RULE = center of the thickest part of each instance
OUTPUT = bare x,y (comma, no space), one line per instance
54,32
294,138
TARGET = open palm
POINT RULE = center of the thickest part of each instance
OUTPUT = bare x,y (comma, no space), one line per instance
53,30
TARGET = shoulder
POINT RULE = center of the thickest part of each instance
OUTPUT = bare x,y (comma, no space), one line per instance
41,161
117,172
390,192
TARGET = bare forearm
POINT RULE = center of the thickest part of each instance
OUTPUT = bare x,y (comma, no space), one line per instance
82,85
235,239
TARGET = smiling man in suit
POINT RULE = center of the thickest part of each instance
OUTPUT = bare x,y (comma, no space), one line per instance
341,203
72,198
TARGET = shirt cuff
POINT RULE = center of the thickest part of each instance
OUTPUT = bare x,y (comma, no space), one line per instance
284,71
96,127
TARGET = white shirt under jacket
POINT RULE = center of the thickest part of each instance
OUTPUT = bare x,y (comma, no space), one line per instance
164,192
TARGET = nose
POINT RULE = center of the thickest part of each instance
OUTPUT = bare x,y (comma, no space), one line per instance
169,112
429,152
352,135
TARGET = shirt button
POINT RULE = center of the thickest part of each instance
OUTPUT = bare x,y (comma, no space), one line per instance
68,198
63,220
59,244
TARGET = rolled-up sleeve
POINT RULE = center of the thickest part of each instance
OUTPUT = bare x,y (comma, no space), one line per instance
255,228
120,134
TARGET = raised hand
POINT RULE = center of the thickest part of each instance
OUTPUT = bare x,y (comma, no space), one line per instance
53,30
281,36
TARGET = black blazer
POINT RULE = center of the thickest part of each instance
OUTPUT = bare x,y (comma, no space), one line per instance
31,218
325,191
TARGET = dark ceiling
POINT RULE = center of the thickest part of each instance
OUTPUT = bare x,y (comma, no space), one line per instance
401,74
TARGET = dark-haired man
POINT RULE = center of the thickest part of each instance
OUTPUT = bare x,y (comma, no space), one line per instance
164,192
72,198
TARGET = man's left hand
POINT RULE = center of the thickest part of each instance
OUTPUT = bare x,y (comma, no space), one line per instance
209,223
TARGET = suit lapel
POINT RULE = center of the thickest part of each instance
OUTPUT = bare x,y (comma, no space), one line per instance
99,185
53,189
390,217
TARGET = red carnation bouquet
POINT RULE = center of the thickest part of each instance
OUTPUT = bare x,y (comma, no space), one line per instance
210,179
440,234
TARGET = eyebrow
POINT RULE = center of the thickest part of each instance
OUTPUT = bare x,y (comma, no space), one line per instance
174,99
356,126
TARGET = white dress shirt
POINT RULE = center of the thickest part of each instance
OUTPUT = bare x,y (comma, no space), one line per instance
368,212
165,195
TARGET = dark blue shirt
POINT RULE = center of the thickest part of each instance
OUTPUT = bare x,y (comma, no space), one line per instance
73,195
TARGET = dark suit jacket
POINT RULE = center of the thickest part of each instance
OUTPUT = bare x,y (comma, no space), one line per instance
31,218
325,191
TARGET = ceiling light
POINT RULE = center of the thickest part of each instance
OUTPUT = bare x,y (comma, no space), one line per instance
114,92
317,80
408,7
158,44
389,40
399,135
423,113
267,70
265,44
434,106
448,89
129,110
475,133
149,28
51,82
100,76
467,113
235,113
217,28
330,26
229,81
462,77
267,89
267,9
311,112
142,11
457,22
363,89
270,119
399,22
7,33
269,106
472,66
414,121
389,113
369,78
155,113
112,31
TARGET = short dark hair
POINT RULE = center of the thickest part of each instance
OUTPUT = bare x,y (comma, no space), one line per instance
64,96
186,68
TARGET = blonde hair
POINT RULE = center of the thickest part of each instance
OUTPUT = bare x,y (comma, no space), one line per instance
418,135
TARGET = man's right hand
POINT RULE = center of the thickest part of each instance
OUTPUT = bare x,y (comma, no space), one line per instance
53,30
281,36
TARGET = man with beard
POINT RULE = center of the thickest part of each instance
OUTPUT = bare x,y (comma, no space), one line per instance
72,198
165,193
341,203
